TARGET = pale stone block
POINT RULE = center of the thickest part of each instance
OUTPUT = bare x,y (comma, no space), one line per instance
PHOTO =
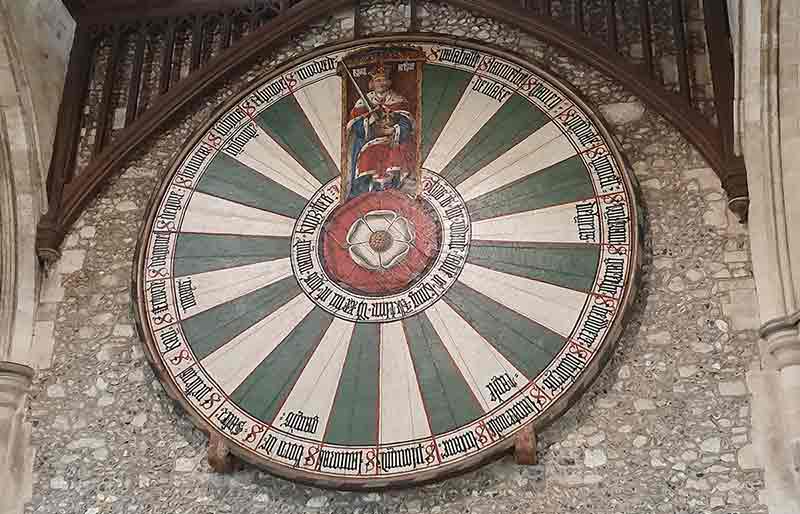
185,465
622,112
711,445
737,388
71,261
594,458
705,177
739,256
659,338
716,215
41,354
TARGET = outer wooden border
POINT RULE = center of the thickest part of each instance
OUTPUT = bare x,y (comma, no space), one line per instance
560,406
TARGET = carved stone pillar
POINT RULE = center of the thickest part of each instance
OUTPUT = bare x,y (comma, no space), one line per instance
15,379
768,126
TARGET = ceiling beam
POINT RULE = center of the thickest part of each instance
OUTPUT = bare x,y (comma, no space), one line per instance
116,11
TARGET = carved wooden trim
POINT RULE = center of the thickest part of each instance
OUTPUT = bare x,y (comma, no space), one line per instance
76,194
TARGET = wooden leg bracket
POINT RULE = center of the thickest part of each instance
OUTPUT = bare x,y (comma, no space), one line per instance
220,457
525,446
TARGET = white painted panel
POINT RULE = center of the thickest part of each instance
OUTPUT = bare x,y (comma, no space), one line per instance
214,288
315,390
474,109
211,215
402,408
551,306
231,364
543,148
477,360
554,224
321,101
267,157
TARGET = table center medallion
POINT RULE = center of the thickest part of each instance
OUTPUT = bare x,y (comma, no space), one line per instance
381,262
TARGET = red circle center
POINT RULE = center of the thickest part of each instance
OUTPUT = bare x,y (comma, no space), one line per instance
349,275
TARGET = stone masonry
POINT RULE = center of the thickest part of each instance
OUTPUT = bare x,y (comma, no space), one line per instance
665,428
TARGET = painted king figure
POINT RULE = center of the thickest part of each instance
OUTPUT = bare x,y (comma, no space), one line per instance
381,142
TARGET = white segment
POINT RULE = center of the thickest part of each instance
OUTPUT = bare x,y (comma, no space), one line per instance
315,390
234,362
402,409
213,288
211,215
267,157
474,109
477,359
321,101
543,148
553,224
551,306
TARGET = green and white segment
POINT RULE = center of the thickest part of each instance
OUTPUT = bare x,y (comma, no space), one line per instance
292,368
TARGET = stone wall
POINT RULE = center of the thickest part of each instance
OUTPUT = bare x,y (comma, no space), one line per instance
665,428
35,38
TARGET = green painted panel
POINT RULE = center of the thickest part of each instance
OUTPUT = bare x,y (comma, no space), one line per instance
198,253
563,182
524,343
571,266
447,396
354,416
229,179
212,329
442,89
287,124
264,391
511,124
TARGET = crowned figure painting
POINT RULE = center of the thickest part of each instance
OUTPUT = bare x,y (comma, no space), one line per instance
381,138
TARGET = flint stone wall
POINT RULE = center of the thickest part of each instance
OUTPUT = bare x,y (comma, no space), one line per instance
665,428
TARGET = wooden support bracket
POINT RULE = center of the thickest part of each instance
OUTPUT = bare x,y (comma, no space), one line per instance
525,446
220,457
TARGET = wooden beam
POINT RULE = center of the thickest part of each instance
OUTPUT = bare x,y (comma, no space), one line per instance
136,75
65,145
167,53
679,33
128,12
720,56
356,19
197,42
225,31
647,36
611,24
105,111
74,7
578,18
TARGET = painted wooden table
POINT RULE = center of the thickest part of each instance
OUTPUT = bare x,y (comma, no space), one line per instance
385,259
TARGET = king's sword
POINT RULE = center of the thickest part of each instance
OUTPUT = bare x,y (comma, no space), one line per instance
358,89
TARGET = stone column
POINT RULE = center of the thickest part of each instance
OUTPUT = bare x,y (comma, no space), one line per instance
768,124
15,379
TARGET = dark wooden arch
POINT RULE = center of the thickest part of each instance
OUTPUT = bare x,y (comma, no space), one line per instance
68,196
